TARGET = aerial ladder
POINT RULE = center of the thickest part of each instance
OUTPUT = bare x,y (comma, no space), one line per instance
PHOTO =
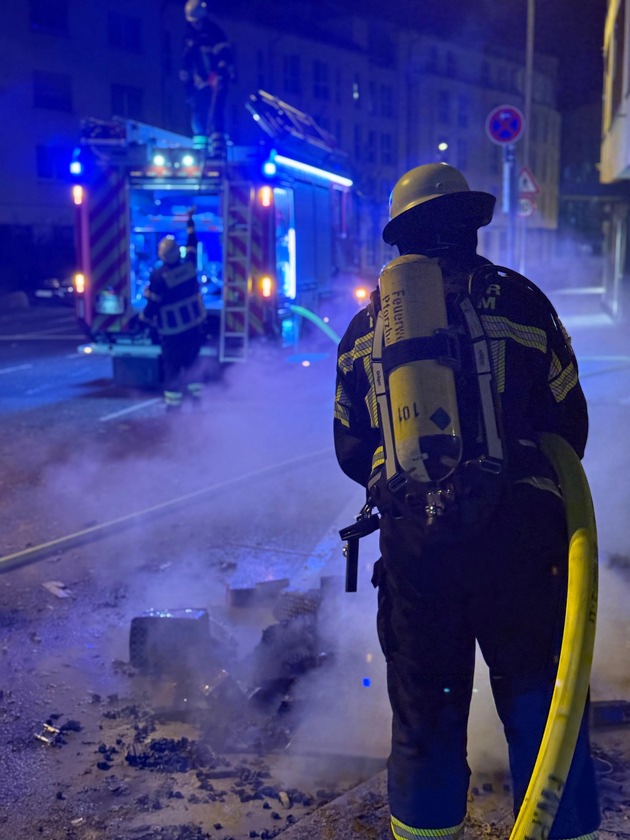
234,329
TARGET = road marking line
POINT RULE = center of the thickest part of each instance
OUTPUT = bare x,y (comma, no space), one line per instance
33,553
40,337
604,359
330,543
52,330
129,410
14,369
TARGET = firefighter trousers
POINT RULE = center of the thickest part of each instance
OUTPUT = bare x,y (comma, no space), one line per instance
181,367
504,588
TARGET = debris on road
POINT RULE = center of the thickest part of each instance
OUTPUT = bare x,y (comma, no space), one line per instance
56,588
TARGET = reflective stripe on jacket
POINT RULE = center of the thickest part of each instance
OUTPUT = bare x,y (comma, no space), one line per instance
174,301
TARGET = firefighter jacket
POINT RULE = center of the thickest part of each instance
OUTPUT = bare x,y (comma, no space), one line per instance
207,58
534,370
174,302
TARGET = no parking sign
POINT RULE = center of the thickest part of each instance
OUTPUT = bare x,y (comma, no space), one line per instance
505,124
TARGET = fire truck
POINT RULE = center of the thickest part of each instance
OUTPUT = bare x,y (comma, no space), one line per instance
269,219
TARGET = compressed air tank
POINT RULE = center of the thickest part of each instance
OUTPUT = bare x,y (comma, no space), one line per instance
422,396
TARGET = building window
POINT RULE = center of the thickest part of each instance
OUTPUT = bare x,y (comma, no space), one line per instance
357,143
53,162
462,154
381,48
124,32
49,16
52,90
356,92
387,150
292,74
372,104
387,101
444,106
167,53
321,84
260,70
433,60
127,102
463,111
617,60
371,147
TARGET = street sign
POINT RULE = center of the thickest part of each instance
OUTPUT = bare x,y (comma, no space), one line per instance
527,184
526,207
505,124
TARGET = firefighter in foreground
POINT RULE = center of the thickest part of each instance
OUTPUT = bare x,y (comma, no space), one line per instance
175,308
207,69
444,384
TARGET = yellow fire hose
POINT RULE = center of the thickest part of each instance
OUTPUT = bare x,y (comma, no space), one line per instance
544,791
319,322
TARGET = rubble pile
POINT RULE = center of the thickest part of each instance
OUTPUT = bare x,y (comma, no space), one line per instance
185,671
199,727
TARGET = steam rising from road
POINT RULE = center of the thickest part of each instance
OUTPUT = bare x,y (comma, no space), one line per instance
271,411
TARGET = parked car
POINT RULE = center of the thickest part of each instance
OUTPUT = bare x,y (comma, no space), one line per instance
55,290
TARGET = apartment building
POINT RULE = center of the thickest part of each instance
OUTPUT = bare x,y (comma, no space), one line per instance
393,98
615,152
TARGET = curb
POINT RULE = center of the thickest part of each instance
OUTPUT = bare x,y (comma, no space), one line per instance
362,812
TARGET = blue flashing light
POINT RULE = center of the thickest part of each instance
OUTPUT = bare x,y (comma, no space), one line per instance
76,167
289,163
269,168
367,682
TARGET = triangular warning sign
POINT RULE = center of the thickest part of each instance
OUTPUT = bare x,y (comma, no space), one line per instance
527,183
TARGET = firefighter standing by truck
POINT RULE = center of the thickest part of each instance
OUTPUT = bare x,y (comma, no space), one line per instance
207,69
473,534
175,309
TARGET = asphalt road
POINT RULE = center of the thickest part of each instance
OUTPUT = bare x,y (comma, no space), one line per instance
110,509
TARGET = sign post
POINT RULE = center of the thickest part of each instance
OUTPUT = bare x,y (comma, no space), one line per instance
505,126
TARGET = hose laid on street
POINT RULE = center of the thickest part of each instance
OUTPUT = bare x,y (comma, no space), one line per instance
546,784
315,319
33,554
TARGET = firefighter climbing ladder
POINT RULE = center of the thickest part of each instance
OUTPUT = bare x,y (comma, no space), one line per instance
237,248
